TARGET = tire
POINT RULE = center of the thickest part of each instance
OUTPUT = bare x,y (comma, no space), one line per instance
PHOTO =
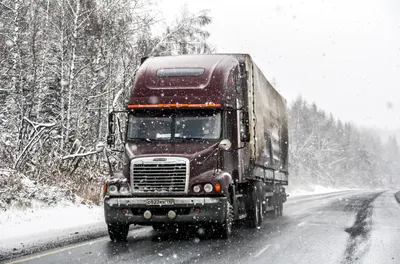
224,230
254,212
278,212
280,209
117,232
261,210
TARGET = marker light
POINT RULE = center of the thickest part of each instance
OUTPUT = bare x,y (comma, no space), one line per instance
217,187
173,105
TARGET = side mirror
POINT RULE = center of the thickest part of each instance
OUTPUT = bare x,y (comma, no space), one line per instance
245,134
225,144
111,130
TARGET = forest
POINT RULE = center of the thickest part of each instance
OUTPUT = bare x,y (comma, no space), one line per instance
329,152
64,64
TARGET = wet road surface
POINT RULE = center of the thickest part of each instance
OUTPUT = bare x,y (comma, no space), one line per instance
343,227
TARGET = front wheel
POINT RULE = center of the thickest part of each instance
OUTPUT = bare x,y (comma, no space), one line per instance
118,232
224,230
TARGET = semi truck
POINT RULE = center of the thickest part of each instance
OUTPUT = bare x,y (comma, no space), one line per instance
205,144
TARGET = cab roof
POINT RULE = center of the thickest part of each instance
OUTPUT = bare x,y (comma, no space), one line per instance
183,79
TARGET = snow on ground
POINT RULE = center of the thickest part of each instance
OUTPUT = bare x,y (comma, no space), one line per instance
39,218
316,189
28,208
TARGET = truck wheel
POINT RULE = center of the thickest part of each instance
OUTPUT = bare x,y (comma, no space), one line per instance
262,212
278,212
117,232
224,230
280,209
254,213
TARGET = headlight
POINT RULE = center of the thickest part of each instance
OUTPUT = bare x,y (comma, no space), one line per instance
208,187
197,188
124,190
112,189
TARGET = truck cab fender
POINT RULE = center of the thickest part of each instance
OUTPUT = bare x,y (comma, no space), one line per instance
225,179
214,177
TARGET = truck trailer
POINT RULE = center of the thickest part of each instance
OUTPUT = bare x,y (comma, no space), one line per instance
205,144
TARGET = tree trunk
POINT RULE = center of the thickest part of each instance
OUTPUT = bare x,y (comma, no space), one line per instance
72,67
62,76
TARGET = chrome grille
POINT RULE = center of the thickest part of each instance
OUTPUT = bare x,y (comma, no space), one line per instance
160,175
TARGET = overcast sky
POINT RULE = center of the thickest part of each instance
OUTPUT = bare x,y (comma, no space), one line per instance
342,54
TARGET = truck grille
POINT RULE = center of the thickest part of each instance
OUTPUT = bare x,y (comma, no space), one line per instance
160,175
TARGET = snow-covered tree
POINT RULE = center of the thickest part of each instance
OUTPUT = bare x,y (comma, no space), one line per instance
64,64
325,151
186,35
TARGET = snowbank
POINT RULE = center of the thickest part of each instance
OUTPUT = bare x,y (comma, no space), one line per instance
16,222
316,189
28,207
18,191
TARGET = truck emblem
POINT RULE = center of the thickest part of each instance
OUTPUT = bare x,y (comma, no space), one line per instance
159,159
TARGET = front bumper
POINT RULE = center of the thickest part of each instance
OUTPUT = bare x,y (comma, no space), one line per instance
189,210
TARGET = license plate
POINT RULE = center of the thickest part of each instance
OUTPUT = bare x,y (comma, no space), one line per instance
160,202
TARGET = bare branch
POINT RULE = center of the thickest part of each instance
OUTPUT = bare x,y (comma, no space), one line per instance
71,7
87,17
28,146
119,93
5,35
79,71
165,38
77,155
102,94
37,125
6,6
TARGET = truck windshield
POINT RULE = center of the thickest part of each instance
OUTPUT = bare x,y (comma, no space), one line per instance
206,126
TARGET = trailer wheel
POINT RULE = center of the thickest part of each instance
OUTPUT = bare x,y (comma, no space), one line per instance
262,212
278,212
118,232
254,212
280,209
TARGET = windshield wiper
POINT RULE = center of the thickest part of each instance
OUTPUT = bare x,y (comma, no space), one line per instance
189,138
141,139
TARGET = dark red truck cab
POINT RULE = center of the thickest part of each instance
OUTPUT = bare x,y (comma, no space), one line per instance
206,144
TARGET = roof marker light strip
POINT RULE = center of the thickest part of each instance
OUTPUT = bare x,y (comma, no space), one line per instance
172,105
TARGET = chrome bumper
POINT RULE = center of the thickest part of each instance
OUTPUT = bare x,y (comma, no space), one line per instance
197,210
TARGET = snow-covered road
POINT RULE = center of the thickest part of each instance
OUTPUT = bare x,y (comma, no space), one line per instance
339,227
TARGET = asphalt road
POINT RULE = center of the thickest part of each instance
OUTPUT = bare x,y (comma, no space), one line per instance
344,227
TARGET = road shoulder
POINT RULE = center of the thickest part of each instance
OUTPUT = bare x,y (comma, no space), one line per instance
16,247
